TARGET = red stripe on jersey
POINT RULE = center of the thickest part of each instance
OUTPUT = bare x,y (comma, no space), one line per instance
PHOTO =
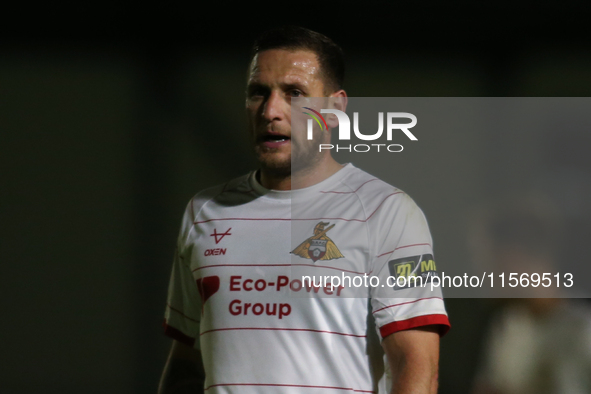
409,302
371,180
276,265
176,334
247,219
402,247
285,329
427,320
181,313
242,265
288,385
272,219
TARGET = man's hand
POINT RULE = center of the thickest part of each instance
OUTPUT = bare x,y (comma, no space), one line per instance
184,372
413,356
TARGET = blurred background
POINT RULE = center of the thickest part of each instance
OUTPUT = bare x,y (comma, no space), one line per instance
113,117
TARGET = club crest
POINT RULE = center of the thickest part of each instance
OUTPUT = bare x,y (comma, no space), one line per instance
319,246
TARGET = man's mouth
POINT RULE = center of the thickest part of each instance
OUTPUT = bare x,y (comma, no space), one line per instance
273,140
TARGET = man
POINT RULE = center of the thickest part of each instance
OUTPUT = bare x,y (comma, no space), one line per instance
235,307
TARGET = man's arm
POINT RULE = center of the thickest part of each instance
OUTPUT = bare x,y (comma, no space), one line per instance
183,372
413,356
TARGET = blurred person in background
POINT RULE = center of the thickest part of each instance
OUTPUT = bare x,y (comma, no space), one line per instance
541,343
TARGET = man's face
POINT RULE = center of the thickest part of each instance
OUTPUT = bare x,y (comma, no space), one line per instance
275,77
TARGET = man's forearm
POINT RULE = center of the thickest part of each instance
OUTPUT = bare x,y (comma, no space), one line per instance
413,356
181,376
414,377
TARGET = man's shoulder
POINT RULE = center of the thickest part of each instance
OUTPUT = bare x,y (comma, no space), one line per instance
365,185
236,185
232,193
378,197
222,193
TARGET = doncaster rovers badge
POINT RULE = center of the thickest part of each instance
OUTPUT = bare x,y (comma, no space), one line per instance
319,246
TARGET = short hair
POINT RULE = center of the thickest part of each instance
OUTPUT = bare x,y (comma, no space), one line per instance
330,55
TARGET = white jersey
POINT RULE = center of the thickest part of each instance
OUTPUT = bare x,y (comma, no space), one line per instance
237,293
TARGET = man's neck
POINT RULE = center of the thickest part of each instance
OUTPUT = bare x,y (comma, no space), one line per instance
301,179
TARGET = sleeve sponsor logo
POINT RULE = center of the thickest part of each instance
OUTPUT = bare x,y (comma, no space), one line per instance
412,271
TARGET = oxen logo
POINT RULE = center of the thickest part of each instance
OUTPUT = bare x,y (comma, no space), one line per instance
319,246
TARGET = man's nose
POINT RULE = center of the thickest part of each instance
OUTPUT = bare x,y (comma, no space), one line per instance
274,106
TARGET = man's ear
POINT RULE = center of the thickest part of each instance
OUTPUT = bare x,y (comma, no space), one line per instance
338,100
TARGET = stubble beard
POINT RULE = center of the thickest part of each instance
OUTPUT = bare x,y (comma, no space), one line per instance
302,158
307,157
274,166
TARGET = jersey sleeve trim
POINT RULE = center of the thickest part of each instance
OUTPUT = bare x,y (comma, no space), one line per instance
181,313
177,334
427,320
408,302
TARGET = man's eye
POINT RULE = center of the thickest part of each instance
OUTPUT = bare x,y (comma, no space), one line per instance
296,93
257,91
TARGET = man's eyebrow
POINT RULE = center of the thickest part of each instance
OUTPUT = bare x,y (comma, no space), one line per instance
256,85
294,85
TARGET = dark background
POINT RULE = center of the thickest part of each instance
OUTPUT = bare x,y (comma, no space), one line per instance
112,116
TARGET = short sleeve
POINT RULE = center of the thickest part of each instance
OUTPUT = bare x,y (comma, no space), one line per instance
183,307
405,266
